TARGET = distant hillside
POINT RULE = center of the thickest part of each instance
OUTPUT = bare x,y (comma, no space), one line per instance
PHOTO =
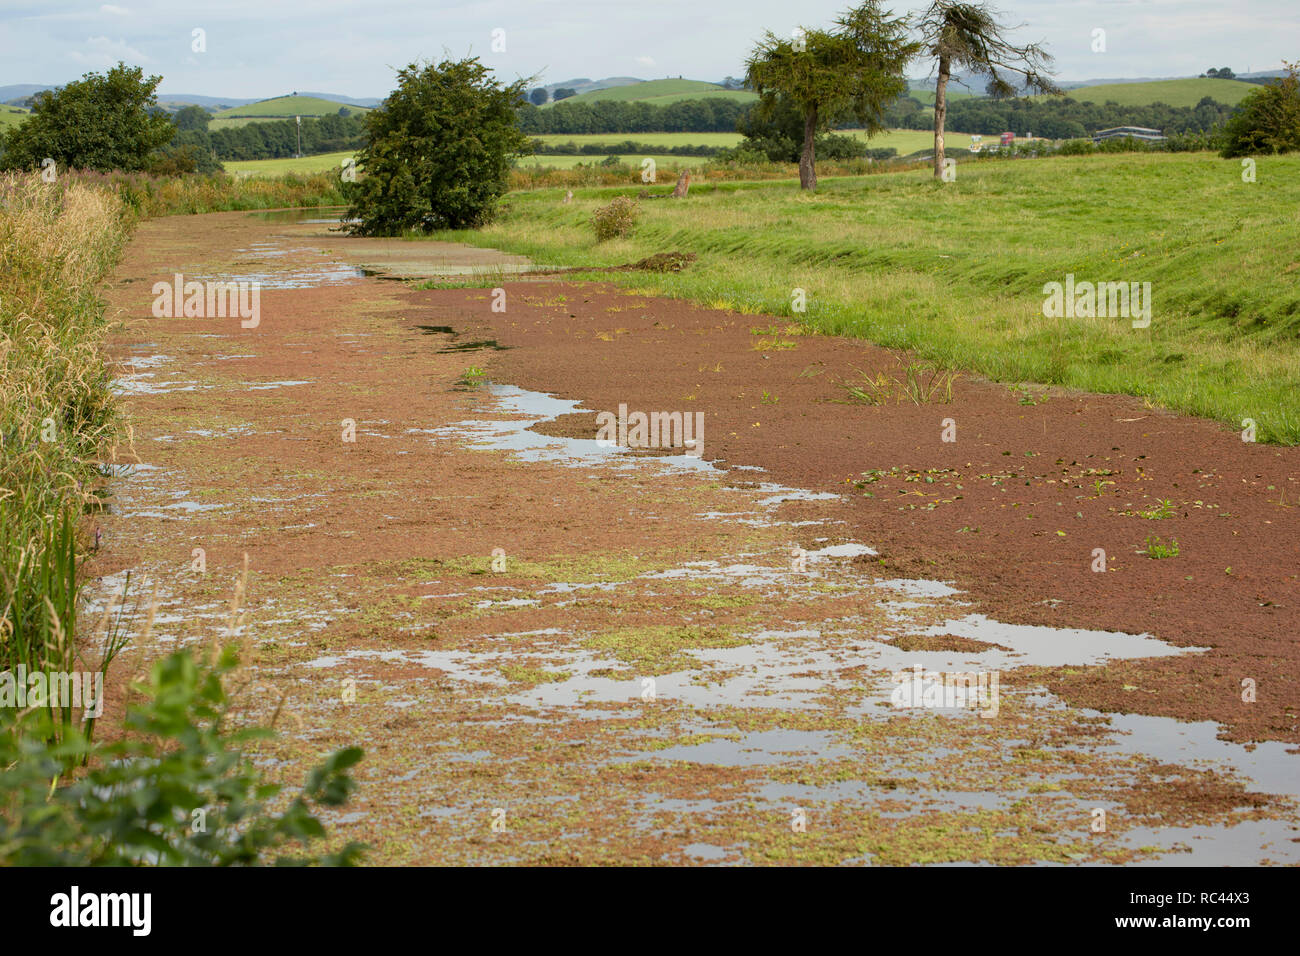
175,101
662,92
11,116
369,102
585,85
280,108
20,91
923,89
1187,92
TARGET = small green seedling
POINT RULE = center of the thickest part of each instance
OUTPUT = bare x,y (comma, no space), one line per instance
1157,549
472,377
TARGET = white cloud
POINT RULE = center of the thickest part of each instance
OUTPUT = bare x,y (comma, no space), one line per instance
103,52
646,60
115,10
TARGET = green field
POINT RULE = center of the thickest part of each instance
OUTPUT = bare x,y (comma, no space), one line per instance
333,161
906,141
956,271
661,93
1170,92
650,139
662,160
278,167
279,108
11,116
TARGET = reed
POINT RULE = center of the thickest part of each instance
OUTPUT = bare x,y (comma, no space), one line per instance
58,415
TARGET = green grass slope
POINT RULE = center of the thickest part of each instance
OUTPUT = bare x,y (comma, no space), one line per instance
1170,92
280,108
956,271
11,116
661,92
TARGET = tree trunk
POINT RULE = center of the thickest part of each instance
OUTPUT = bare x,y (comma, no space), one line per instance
940,114
807,159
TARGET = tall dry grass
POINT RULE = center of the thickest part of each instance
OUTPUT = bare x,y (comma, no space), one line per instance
57,409
152,196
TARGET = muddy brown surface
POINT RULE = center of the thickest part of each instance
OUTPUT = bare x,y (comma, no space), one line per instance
1010,510
557,653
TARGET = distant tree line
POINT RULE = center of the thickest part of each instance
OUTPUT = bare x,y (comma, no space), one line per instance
273,139
1058,118
708,115
279,138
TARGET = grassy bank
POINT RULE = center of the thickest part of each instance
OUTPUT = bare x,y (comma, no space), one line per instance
57,241
956,271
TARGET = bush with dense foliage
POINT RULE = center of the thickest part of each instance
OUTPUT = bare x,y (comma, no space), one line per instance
439,150
102,121
1268,120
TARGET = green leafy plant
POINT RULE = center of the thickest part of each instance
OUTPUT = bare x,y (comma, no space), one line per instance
1022,394
1158,550
177,789
472,377
1164,510
1025,396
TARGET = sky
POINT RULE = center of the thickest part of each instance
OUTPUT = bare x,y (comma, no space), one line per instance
262,48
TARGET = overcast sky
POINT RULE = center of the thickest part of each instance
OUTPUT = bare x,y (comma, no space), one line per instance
260,48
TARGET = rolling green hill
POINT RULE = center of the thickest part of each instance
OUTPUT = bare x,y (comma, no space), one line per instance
280,108
11,116
661,93
1170,92
923,90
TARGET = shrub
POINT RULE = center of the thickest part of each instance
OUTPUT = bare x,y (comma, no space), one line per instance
178,790
615,221
439,151
1268,120
102,121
